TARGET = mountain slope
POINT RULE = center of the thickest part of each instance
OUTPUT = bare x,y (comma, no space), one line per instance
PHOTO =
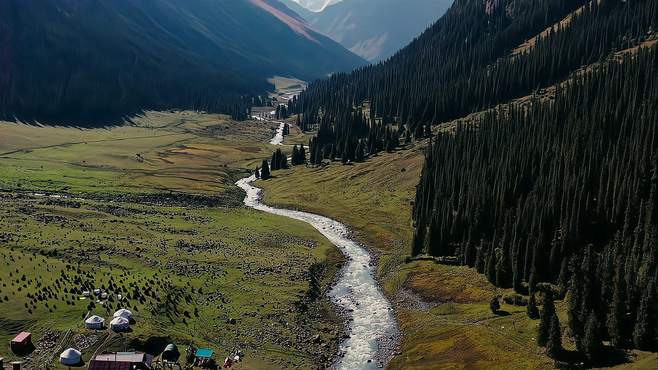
376,29
89,59
547,185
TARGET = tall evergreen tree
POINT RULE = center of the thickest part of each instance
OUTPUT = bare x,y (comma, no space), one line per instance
592,342
265,170
554,343
546,318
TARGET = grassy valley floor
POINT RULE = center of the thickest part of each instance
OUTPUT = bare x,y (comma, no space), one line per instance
147,212
443,311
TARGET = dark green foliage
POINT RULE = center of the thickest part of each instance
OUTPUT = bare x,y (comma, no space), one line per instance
546,319
494,305
282,113
265,170
279,161
554,344
644,333
531,308
298,155
461,64
555,182
592,342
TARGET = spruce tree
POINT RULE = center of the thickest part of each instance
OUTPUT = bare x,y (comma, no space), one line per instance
531,308
494,305
265,170
617,312
644,334
547,313
302,154
592,343
554,344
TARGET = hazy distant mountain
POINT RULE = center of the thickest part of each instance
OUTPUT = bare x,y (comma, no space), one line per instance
374,29
85,59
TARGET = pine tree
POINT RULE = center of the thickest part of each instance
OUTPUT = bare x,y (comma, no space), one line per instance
359,155
265,170
592,344
295,156
547,313
531,308
554,344
494,305
617,311
644,334
302,155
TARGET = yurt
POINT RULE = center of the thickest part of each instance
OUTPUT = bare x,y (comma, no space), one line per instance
94,322
71,357
171,353
126,314
119,324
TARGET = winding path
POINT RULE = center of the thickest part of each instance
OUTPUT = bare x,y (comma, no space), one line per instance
372,327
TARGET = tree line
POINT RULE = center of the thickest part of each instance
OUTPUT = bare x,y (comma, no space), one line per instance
465,63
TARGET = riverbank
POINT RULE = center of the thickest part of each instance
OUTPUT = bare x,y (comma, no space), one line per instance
370,316
443,311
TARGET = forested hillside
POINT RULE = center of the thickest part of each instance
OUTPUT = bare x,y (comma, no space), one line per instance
562,193
88,61
549,185
464,63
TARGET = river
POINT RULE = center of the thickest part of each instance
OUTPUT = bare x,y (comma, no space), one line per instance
372,328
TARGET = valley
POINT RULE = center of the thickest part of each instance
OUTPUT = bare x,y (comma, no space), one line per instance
231,184
147,213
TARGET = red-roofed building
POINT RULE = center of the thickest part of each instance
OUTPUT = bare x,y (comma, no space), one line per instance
21,342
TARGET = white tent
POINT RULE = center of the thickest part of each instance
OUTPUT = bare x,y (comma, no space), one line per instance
94,322
71,357
119,324
126,314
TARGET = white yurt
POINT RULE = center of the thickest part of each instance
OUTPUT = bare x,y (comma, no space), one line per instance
120,324
94,322
126,314
70,357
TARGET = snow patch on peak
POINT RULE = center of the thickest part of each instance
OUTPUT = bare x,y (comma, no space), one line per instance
316,5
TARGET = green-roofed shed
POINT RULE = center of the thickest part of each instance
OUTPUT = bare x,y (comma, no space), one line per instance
204,353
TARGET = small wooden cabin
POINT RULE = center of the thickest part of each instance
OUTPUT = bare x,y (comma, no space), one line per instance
22,342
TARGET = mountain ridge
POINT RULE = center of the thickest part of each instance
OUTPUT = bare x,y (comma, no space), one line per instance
89,60
375,30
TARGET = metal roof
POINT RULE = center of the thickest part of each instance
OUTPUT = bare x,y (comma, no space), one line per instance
128,357
205,353
22,337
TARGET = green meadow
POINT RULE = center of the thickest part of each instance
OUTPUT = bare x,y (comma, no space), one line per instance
147,213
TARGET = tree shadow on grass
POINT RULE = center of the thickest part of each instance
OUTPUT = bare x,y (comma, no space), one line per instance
609,357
